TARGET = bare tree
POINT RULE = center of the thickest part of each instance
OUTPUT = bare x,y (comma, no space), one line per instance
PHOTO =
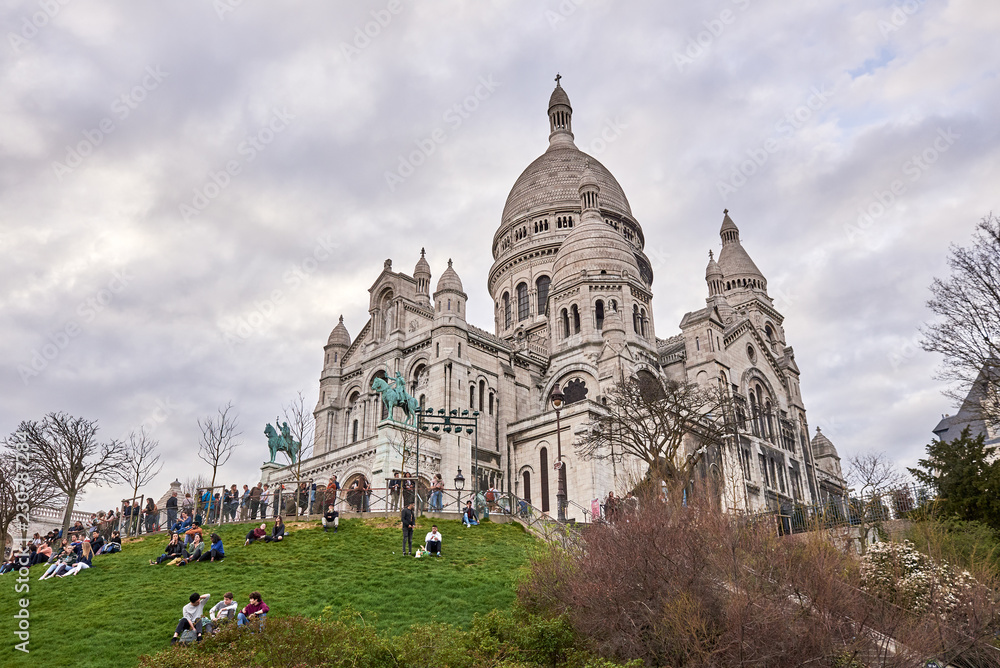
665,424
141,463
302,427
191,485
65,453
19,494
967,332
219,438
874,479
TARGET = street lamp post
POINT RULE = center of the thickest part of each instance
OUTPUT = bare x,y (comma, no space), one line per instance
452,422
557,401
459,485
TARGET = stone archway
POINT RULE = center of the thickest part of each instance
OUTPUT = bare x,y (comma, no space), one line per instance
354,499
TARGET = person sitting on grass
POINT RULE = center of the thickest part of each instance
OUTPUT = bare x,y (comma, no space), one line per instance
113,545
433,541
255,609
215,551
256,534
173,550
66,555
192,532
96,542
193,551
331,518
277,531
84,561
222,612
191,616
183,524
469,516
42,554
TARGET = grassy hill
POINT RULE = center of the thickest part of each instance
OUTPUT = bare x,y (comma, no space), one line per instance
123,607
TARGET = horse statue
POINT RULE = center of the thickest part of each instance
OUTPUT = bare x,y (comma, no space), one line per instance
396,395
282,442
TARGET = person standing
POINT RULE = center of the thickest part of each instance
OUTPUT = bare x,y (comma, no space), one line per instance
255,501
432,542
330,496
394,487
126,516
409,520
265,496
187,505
277,499
407,488
366,495
171,506
245,503
312,496
136,519
437,491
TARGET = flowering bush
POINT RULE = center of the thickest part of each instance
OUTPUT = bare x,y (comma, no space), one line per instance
899,573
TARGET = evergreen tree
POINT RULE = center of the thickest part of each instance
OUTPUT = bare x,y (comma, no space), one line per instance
963,477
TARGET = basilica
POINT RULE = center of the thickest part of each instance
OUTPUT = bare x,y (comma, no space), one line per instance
572,293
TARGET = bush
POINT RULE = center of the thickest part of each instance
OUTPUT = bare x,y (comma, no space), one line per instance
689,586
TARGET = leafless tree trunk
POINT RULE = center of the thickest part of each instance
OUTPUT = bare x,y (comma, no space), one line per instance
967,333
65,452
665,424
141,463
873,476
219,438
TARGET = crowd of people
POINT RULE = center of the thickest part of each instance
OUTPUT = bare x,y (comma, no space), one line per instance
63,557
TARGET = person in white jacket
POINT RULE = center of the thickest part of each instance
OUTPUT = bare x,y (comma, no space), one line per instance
432,543
191,616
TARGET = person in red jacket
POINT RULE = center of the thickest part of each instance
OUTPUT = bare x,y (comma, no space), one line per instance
256,608
256,534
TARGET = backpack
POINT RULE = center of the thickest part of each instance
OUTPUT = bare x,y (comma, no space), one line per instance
490,496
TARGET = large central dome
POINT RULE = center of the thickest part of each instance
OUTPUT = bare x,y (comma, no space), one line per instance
552,181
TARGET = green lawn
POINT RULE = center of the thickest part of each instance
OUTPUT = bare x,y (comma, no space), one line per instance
123,607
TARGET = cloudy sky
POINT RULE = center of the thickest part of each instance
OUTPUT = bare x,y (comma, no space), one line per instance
191,193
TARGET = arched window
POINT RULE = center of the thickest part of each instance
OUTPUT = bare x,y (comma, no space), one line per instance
491,403
526,492
472,397
635,318
576,319
542,288
642,321
482,391
543,460
506,310
354,432
522,301
599,314
565,323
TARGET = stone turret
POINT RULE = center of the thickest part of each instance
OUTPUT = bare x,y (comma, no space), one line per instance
739,271
422,275
337,345
450,297
560,116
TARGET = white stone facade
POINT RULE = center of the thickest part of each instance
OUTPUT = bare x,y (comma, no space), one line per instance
573,298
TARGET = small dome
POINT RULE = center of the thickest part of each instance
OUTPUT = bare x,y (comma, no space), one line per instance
423,268
559,96
339,336
822,446
734,261
593,245
712,270
449,280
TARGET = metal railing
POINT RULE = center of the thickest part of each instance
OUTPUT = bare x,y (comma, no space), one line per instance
868,510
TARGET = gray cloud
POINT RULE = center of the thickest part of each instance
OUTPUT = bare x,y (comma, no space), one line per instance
236,301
